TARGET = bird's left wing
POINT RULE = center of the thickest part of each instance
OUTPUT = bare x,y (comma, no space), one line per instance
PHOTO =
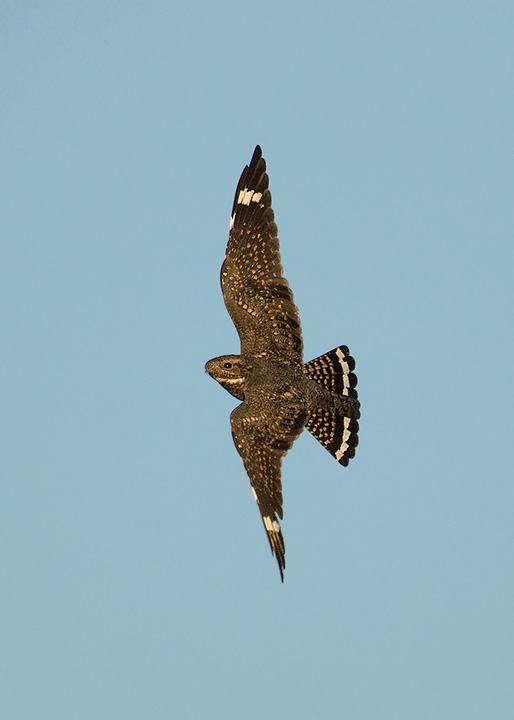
256,293
262,438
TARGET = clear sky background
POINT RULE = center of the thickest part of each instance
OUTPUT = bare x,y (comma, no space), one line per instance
136,579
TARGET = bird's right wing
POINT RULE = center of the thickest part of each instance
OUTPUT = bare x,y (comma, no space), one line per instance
256,293
262,438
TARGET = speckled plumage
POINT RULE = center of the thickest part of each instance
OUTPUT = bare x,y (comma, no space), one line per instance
281,395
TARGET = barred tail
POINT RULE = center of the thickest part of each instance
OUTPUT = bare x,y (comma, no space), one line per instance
335,425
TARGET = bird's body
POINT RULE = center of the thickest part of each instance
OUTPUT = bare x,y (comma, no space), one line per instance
281,395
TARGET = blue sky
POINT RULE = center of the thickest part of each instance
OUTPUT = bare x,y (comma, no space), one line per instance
136,577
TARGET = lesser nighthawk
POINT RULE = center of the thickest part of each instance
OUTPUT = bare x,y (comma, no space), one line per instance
281,395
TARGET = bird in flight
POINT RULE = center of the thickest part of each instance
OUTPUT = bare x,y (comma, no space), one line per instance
280,394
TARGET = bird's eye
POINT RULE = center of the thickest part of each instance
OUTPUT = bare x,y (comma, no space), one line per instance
227,365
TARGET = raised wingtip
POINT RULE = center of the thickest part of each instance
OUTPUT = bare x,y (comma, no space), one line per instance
256,158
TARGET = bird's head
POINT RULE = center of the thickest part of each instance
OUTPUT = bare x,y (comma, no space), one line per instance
231,371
